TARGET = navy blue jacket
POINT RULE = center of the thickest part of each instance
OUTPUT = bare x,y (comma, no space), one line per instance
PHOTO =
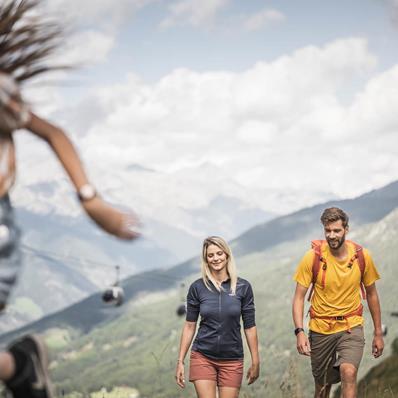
219,335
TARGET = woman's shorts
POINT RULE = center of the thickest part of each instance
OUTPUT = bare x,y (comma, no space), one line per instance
329,351
10,256
225,373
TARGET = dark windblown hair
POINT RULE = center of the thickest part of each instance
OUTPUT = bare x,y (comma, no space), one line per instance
334,214
26,41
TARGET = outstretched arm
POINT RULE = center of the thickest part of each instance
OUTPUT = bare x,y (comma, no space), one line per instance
62,147
109,219
374,308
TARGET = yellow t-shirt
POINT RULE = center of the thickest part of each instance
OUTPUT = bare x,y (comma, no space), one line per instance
341,294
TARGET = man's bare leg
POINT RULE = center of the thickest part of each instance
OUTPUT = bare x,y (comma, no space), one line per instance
348,373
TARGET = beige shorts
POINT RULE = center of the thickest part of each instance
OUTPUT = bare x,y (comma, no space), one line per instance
329,351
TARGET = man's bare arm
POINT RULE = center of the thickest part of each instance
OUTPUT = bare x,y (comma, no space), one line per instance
374,308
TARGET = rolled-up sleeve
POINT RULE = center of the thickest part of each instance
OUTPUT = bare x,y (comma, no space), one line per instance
193,304
248,310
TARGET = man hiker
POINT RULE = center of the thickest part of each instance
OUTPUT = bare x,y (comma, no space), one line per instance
338,270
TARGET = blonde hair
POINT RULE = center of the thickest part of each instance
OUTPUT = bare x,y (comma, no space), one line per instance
231,266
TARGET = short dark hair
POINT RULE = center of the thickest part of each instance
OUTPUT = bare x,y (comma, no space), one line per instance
333,214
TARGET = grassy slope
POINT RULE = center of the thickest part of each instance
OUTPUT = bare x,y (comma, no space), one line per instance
382,380
139,349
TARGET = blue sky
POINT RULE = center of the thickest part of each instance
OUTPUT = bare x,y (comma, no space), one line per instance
222,43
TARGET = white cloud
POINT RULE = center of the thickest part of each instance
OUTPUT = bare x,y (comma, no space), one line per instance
263,18
198,13
372,112
86,48
276,135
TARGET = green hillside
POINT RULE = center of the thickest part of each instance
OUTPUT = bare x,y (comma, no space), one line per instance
304,224
67,259
138,349
133,348
90,312
382,380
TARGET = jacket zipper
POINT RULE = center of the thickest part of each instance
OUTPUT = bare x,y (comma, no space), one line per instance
219,323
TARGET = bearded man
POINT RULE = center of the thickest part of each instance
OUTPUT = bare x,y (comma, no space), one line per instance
337,269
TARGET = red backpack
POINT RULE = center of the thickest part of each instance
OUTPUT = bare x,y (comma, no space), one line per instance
316,246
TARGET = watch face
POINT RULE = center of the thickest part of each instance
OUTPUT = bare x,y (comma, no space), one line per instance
87,192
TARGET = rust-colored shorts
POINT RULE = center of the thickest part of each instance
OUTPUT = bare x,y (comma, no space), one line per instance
225,373
329,351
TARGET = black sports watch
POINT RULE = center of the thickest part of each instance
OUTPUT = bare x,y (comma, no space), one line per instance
298,330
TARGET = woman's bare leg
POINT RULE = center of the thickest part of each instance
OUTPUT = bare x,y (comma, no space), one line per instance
205,388
228,392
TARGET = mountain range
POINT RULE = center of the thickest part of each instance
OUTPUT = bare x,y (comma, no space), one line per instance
301,225
67,258
140,338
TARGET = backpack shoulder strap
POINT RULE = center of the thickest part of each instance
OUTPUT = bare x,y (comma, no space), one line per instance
360,257
316,246
361,264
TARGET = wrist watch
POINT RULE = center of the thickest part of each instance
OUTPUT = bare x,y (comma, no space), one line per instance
298,330
86,192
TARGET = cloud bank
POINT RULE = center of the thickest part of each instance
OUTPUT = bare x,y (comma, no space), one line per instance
277,135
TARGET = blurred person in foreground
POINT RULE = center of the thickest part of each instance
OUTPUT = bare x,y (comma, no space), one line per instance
338,270
221,299
26,41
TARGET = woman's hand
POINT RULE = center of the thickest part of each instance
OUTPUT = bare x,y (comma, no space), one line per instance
118,223
252,342
180,377
253,373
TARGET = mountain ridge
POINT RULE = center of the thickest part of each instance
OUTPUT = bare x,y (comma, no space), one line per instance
366,208
162,279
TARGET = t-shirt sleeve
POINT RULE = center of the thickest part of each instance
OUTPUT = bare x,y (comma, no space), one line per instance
303,274
371,275
193,304
248,309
